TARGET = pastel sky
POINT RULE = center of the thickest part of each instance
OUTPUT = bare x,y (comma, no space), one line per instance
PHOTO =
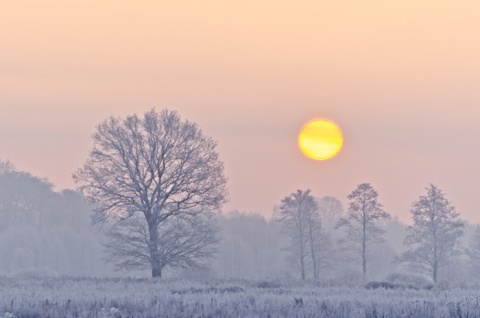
400,77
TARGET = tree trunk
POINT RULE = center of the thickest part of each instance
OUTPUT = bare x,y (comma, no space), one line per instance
302,241
364,247
302,257
312,251
153,247
156,271
364,262
435,256
435,262
302,262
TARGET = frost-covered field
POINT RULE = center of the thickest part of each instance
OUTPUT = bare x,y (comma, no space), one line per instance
79,297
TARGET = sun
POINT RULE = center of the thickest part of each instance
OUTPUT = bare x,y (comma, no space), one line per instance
320,139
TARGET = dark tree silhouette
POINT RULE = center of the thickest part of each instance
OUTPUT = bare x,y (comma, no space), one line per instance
155,170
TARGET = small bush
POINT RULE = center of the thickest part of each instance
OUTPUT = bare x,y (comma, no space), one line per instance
268,284
383,284
414,280
347,278
33,273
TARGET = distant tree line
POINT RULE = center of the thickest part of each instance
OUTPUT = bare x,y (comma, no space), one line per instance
47,230
155,185
44,229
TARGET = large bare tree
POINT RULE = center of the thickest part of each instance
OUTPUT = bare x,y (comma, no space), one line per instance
362,228
434,234
150,174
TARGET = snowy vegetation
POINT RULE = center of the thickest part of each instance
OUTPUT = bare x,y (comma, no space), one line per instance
27,296
155,188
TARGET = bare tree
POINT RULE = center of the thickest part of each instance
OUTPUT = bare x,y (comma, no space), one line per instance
361,224
473,250
158,169
320,247
298,213
434,233
318,242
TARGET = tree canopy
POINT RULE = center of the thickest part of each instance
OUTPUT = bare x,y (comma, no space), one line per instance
157,166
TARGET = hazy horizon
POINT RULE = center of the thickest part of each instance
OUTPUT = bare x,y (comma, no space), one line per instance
400,79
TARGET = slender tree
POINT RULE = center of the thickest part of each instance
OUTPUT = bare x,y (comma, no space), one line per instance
299,216
473,251
314,235
435,231
320,247
361,224
159,168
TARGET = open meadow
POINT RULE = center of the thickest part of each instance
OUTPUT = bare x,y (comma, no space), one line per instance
128,297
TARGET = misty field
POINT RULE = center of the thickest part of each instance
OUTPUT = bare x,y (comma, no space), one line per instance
95,297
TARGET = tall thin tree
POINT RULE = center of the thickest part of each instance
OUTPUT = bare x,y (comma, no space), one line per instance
299,216
473,251
434,234
362,228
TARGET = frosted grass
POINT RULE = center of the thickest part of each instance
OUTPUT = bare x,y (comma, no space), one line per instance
96,297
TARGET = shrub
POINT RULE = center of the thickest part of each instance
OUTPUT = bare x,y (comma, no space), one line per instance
383,284
268,284
418,281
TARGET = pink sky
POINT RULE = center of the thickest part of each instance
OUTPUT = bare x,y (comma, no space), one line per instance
401,78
